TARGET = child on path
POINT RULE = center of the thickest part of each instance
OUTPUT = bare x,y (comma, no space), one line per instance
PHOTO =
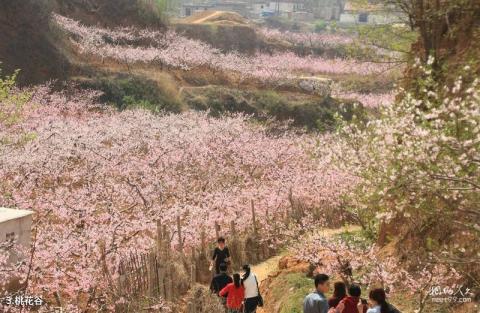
235,293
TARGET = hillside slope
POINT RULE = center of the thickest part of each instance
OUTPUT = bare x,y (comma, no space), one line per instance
25,44
26,41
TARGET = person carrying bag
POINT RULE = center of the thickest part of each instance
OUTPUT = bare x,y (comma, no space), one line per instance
253,298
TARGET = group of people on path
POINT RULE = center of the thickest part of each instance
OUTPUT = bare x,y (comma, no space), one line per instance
340,302
240,293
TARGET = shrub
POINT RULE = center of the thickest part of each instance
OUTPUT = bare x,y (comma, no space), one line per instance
320,26
201,300
314,113
152,11
129,91
12,103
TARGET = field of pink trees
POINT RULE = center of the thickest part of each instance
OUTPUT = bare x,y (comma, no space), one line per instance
307,39
175,51
94,175
100,181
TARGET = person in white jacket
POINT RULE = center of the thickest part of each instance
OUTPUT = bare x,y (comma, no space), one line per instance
252,293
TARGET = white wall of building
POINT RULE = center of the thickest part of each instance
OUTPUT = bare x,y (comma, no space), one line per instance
348,18
15,224
284,7
372,18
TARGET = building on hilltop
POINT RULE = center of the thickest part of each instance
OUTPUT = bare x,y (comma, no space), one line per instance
370,13
328,10
240,7
292,9
15,226
189,9
285,7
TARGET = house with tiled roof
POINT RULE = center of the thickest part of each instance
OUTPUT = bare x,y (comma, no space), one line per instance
370,12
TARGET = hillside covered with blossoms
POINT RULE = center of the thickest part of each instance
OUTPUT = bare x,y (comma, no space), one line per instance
137,139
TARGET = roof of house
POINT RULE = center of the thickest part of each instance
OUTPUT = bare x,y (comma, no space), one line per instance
199,5
11,214
288,1
363,6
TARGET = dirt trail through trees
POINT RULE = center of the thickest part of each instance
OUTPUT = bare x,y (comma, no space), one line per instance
264,269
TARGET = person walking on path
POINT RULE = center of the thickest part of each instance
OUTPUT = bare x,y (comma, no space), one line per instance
378,302
221,254
235,293
220,280
352,303
316,302
339,293
253,299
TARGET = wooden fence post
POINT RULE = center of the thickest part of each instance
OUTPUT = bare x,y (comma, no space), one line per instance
233,231
217,230
179,233
161,279
254,220
166,241
152,274
193,268
159,236
203,240
235,258
169,290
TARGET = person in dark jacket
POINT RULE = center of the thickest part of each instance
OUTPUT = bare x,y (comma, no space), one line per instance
221,254
220,280
339,292
378,302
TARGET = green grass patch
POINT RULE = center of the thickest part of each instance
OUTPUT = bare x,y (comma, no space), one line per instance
290,290
128,91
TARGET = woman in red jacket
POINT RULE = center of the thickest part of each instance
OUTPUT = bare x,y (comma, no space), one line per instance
235,294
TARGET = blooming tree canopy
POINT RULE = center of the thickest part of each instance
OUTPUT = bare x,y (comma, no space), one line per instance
99,180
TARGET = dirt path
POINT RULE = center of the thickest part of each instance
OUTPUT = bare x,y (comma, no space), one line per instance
264,269
267,267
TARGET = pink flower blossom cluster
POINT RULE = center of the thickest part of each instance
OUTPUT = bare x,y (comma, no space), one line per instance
98,35
354,262
173,50
308,39
101,178
369,100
